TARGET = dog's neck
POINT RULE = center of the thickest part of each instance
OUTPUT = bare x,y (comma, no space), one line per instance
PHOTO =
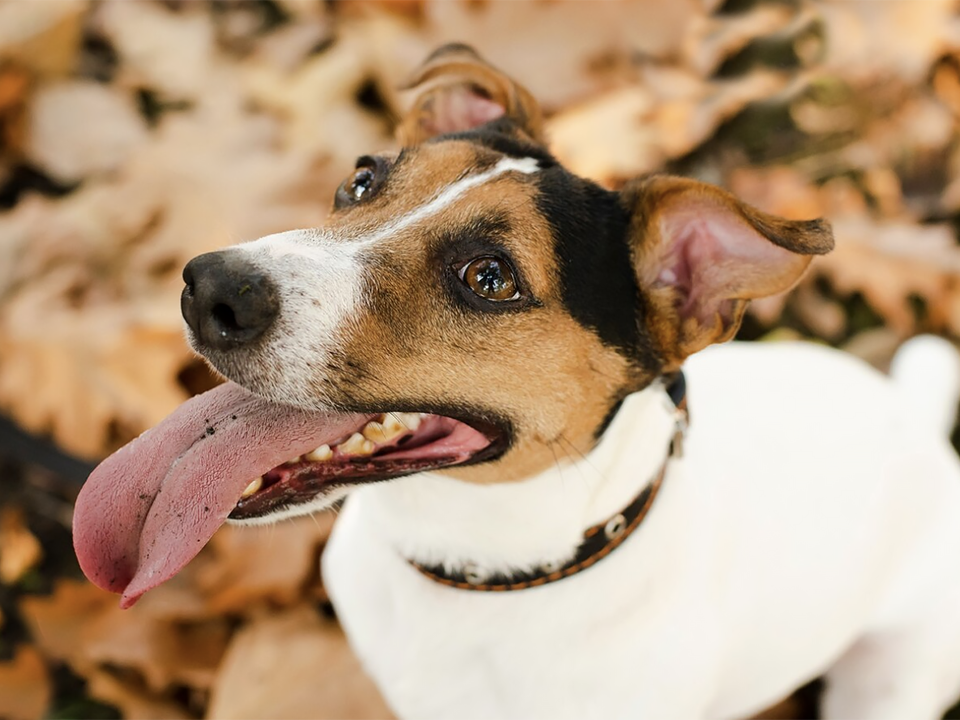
441,521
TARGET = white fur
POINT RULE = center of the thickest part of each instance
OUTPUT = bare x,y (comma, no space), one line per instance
449,195
812,526
921,361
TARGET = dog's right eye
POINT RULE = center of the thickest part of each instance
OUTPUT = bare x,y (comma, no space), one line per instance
362,183
490,278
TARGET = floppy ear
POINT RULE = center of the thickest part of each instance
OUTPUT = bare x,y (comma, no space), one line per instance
456,90
700,255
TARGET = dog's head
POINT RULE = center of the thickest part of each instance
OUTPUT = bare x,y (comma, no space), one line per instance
470,306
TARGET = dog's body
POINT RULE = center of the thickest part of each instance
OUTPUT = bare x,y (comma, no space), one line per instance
474,310
810,516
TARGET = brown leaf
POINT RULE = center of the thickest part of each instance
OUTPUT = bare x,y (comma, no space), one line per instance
20,550
85,627
25,688
79,128
780,190
238,573
609,137
14,86
246,571
130,697
57,623
172,53
866,40
891,262
573,40
43,36
293,665
713,38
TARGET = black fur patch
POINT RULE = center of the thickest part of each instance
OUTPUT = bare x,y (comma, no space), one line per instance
503,136
599,285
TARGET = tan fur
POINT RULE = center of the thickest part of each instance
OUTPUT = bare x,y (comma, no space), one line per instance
544,371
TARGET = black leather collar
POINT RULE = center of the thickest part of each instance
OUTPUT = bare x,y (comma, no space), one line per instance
598,541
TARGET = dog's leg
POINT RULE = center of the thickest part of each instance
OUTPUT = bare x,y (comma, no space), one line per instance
911,673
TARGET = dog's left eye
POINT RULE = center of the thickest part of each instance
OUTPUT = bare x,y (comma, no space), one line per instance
362,183
491,278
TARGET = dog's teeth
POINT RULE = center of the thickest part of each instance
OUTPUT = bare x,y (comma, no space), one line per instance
321,454
401,423
293,461
375,432
252,487
357,444
392,426
384,432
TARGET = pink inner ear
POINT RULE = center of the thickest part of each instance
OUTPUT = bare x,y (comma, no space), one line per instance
458,108
712,255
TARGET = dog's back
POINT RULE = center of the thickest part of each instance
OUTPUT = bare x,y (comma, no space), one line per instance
836,502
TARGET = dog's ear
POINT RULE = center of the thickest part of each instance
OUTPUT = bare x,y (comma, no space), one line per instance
456,90
700,255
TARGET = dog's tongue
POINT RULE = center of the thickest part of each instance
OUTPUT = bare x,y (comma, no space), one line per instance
149,508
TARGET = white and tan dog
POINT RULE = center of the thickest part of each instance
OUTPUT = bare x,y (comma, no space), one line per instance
477,348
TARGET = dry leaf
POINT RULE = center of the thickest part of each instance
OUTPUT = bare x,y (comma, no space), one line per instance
713,39
866,39
56,623
682,124
238,573
876,346
20,550
595,35
85,627
293,666
891,262
14,86
246,572
133,700
43,36
622,142
780,190
77,129
25,688
172,53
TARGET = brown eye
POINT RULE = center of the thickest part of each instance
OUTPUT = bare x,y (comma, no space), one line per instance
490,278
363,183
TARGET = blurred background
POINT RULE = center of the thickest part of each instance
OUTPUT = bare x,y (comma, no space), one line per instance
136,134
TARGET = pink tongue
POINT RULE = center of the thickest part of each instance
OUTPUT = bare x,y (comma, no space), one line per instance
149,508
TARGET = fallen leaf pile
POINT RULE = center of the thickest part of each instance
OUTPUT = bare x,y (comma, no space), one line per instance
137,134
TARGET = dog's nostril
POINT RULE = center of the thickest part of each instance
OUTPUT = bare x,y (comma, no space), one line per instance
225,316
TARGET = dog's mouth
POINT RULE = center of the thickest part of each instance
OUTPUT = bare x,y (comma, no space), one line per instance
388,445
149,508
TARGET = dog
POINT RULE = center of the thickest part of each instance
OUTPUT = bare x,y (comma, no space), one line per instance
558,505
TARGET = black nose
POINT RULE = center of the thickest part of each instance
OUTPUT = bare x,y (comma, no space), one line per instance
227,302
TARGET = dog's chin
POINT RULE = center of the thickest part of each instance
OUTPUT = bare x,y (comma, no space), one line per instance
383,447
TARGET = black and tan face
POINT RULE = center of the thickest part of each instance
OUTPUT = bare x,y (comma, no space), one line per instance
483,310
